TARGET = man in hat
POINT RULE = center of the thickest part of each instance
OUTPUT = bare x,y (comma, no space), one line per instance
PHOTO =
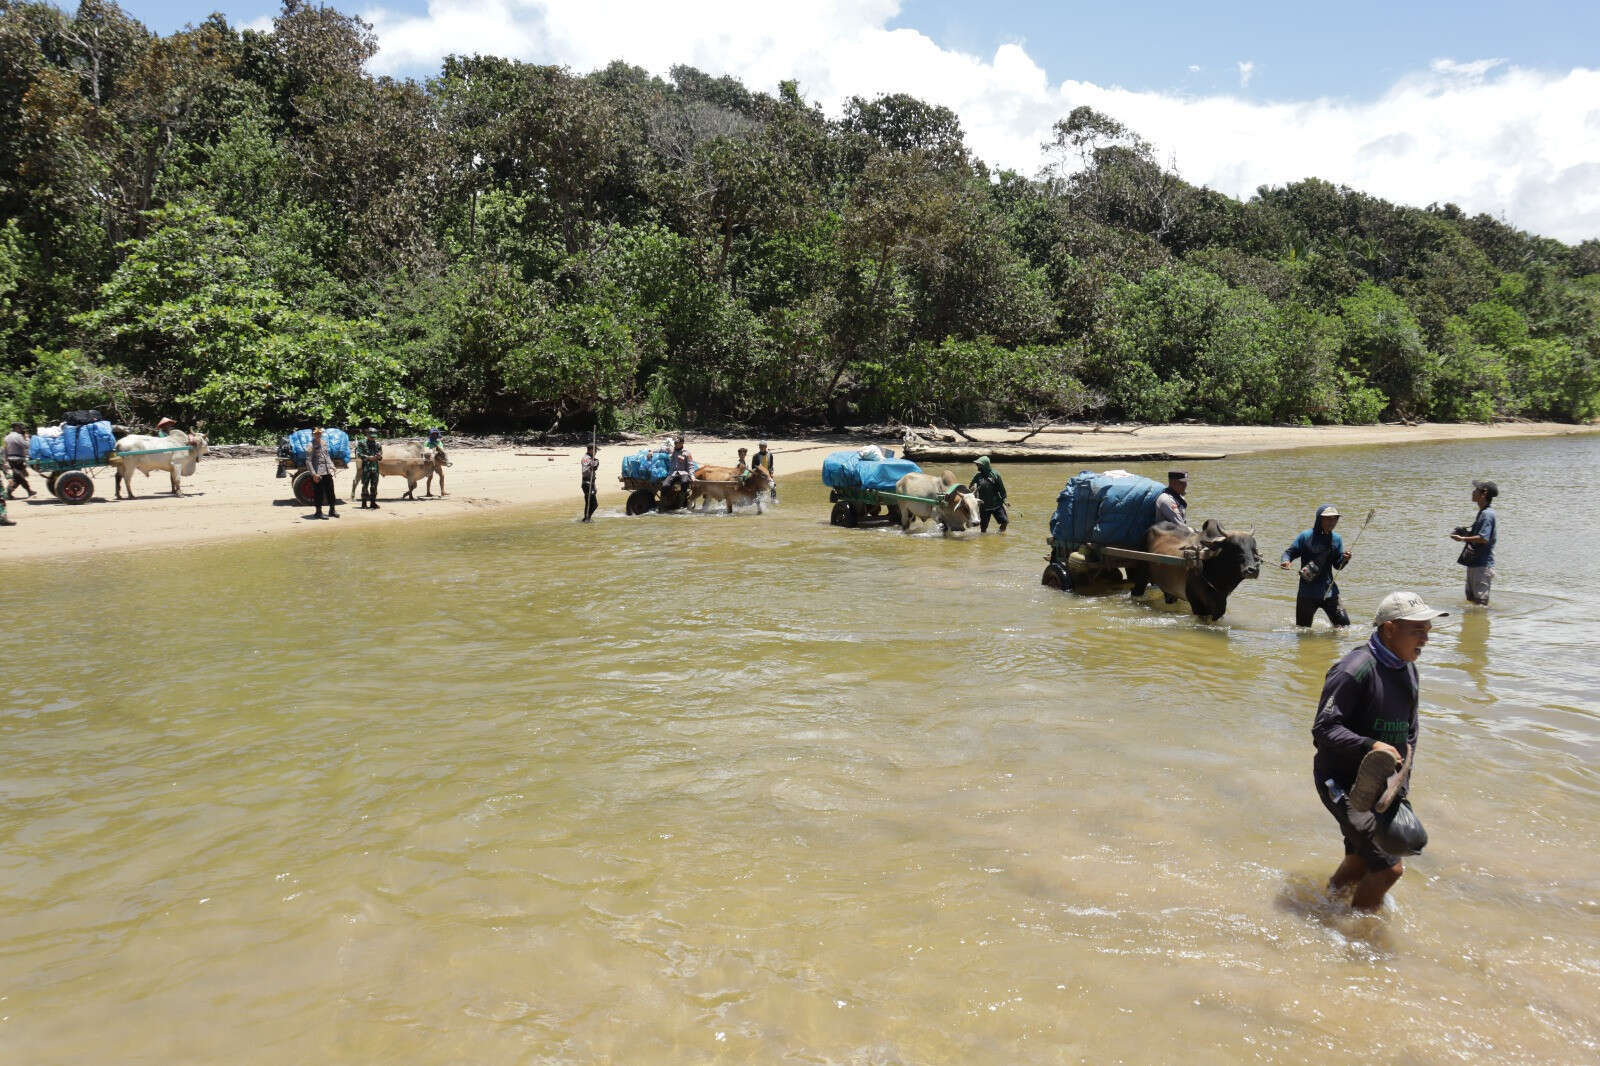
369,453
320,464
991,492
589,469
1321,552
435,443
1366,737
165,426
1478,554
762,460
1171,506
17,460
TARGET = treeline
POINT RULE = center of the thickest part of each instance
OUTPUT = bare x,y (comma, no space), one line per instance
248,229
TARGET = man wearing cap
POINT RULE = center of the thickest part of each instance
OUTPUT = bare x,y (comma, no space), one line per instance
762,460
1171,506
1479,538
435,443
1366,738
369,453
588,470
320,464
1321,552
17,460
991,496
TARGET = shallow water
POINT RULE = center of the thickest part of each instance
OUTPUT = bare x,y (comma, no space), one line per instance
753,789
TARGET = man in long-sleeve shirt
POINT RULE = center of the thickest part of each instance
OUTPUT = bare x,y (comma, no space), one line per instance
321,466
1365,732
1321,552
1171,506
17,459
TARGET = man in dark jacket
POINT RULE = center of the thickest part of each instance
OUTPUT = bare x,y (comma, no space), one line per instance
991,496
1366,739
1321,552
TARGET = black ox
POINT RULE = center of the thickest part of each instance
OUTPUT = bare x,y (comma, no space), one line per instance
1224,559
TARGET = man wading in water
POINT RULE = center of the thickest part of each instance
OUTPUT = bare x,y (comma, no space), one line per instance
1320,552
1366,733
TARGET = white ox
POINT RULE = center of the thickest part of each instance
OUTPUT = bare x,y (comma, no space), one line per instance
409,460
178,464
948,500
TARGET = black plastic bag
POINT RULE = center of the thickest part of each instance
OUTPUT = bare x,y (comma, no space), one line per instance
1399,831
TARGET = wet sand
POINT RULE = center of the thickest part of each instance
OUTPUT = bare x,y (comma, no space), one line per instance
238,498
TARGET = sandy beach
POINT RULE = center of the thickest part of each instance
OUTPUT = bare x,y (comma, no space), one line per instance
231,498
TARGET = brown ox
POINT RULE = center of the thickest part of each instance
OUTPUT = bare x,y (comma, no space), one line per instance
724,483
1222,560
410,460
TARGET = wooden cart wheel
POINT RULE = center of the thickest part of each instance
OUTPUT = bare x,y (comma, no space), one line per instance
305,488
640,501
74,486
50,483
840,515
1057,576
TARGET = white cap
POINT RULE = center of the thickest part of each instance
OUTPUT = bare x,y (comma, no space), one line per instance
1405,607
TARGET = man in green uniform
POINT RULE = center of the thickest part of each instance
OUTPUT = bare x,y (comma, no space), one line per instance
4,521
991,496
369,452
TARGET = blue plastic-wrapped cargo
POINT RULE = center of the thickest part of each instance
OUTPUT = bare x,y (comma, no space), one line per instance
1109,509
77,445
337,440
651,466
847,470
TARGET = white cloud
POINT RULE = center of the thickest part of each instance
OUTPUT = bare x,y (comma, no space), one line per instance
1194,68
1247,70
1484,134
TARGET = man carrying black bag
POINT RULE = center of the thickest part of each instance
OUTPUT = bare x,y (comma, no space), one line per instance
1366,739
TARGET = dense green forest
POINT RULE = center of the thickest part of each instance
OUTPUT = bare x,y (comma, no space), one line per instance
248,229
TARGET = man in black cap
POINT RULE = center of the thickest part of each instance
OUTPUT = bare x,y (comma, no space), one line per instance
1478,554
17,460
369,453
1171,506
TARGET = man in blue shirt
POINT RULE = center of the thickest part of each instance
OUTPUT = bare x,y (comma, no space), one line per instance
1321,552
1479,538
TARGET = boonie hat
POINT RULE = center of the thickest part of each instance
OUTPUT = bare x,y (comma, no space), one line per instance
1489,487
1405,607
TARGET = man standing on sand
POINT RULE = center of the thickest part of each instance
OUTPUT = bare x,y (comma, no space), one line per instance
435,443
369,453
589,467
1479,538
991,496
1321,552
1171,505
1366,734
320,464
17,459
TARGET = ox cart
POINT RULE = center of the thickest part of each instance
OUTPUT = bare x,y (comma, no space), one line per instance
646,475
1098,521
67,459
863,486
294,454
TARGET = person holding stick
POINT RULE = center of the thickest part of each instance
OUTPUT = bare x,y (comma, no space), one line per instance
1321,552
589,467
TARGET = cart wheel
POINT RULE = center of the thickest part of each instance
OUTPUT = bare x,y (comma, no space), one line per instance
74,487
894,514
1057,576
640,501
840,516
673,498
305,489
50,483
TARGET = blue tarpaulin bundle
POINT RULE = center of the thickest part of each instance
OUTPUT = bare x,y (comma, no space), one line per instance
74,444
337,440
647,465
1105,509
847,470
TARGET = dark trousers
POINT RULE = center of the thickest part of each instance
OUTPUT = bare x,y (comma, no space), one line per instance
591,500
998,514
1306,608
19,475
324,492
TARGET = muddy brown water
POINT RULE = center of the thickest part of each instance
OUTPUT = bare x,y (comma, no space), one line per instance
689,789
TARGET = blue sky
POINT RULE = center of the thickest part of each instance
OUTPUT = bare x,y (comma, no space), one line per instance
1493,107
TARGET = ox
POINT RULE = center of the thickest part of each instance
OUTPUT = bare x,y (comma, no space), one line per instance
1223,560
943,498
723,483
409,460
178,464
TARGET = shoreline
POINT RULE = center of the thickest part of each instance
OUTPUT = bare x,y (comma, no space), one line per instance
232,498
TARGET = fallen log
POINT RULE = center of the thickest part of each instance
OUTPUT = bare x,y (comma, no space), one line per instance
919,451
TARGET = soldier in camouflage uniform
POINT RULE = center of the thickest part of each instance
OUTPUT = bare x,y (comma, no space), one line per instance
4,521
369,452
